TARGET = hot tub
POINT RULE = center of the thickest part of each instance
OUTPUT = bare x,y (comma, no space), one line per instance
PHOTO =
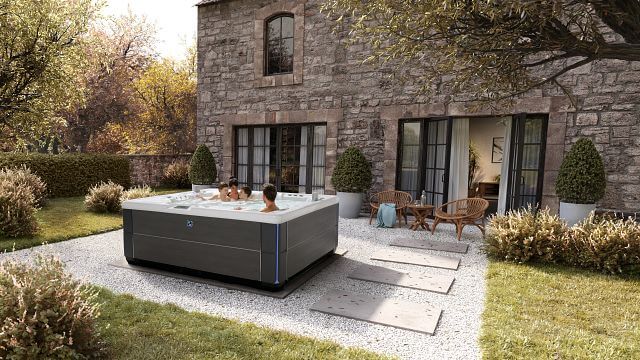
231,239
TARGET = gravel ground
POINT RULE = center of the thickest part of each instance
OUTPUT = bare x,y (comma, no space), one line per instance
456,336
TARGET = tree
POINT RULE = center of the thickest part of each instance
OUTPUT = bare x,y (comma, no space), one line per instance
493,48
40,61
167,98
119,50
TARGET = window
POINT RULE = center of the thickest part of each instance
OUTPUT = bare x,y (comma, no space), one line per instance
279,45
291,157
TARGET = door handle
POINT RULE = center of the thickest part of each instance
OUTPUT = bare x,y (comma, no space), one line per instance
442,178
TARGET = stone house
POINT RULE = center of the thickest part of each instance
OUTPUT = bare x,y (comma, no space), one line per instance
281,95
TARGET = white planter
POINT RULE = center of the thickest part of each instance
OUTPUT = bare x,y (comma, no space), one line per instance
349,204
196,188
574,213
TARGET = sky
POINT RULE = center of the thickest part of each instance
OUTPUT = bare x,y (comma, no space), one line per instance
175,21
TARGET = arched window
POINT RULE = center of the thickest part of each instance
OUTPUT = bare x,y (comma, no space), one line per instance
279,45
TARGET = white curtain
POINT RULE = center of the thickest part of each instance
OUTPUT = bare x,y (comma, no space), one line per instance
504,171
459,165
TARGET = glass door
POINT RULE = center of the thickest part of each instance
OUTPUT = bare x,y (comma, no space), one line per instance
526,160
424,154
436,159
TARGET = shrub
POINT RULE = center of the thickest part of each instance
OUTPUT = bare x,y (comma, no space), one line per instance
23,177
17,210
581,179
176,175
71,174
137,192
203,167
105,197
352,172
46,314
606,244
525,234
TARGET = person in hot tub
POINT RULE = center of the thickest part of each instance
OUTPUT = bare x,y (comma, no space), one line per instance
269,194
244,193
233,189
223,190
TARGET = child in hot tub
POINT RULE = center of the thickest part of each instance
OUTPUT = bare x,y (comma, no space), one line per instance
244,193
223,193
269,194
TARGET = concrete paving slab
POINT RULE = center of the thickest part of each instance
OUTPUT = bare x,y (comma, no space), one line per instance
406,257
428,244
379,310
410,279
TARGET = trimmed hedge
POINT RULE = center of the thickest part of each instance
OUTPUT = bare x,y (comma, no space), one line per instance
72,174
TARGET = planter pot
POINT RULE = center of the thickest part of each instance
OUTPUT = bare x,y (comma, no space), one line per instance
349,204
574,213
196,188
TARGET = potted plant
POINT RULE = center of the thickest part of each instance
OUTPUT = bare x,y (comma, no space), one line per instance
202,171
351,178
581,181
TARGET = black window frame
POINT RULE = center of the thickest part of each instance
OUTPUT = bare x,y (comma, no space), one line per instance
309,167
266,43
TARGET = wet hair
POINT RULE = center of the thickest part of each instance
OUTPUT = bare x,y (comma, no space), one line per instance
222,185
233,182
270,192
246,190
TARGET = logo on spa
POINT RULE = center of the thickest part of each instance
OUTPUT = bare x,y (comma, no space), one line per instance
189,224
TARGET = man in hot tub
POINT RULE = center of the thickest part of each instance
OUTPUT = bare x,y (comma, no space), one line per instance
269,194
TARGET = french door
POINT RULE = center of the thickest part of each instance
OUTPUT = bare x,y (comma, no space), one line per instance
292,157
526,160
424,157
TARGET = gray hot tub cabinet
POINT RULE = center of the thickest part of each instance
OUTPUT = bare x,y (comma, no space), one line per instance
264,253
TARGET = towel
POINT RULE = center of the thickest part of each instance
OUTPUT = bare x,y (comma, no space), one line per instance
387,215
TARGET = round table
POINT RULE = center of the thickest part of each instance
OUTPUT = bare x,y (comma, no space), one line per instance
420,212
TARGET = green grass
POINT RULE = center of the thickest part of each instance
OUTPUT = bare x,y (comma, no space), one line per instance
137,329
556,312
64,219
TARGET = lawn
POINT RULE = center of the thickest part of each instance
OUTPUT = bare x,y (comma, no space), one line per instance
556,312
137,329
64,219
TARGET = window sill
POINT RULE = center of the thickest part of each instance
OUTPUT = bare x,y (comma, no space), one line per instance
278,80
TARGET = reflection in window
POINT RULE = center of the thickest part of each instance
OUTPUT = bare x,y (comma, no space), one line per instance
279,45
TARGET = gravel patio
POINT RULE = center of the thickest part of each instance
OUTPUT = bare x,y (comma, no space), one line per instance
456,335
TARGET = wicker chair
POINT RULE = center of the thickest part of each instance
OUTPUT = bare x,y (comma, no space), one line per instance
400,198
462,212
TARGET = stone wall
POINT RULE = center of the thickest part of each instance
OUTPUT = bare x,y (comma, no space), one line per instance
149,169
366,105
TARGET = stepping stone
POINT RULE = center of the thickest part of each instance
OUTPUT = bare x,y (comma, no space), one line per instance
428,244
405,257
378,310
415,280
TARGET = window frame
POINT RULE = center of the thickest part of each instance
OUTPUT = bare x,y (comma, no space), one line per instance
266,41
309,167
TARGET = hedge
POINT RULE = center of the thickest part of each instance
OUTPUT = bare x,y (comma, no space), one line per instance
72,174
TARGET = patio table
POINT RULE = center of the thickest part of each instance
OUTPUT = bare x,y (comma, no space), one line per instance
420,212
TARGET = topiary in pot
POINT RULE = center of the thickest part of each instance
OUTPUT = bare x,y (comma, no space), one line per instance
202,171
581,181
351,178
